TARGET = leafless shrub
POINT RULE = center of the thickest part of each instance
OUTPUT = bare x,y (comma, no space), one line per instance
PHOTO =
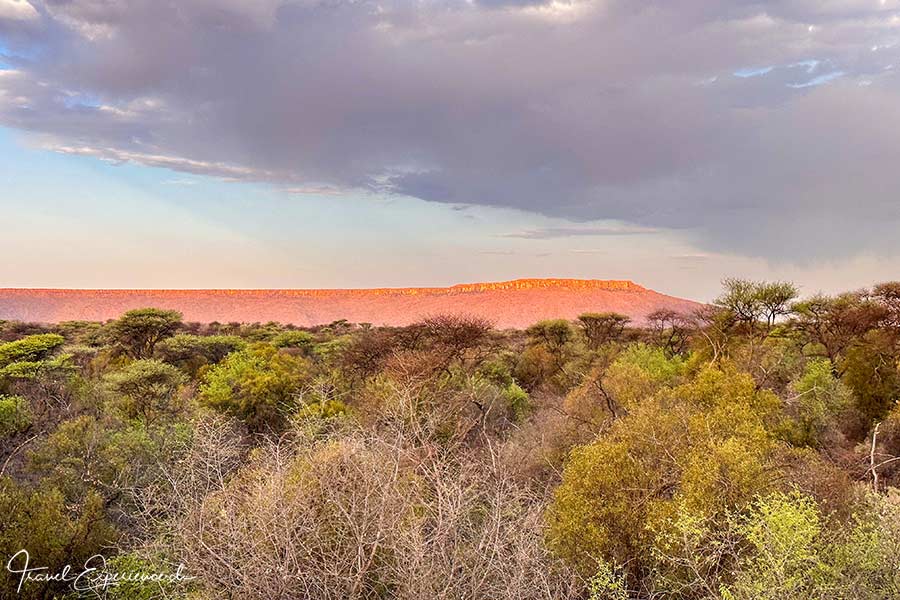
203,466
365,516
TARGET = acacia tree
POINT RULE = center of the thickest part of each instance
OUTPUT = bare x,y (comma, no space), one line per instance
600,328
146,390
453,336
671,330
833,324
775,298
753,301
138,331
888,296
553,334
549,346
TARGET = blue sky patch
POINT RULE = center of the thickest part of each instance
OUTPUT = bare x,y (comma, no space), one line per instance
820,80
753,71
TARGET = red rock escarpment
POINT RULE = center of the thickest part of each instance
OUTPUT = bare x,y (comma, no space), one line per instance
516,303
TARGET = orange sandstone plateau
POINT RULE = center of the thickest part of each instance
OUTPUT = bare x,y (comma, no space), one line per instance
516,303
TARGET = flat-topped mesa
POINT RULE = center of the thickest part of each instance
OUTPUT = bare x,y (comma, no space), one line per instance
617,285
517,303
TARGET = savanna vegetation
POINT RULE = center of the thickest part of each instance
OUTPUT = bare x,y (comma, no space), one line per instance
748,451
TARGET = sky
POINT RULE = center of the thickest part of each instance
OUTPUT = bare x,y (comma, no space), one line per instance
364,143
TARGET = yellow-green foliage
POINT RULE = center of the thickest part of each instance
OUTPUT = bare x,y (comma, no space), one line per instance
871,371
783,562
190,352
636,373
146,390
15,415
640,371
30,349
294,339
790,552
326,351
818,399
259,385
608,583
517,400
85,453
54,531
32,357
326,409
702,447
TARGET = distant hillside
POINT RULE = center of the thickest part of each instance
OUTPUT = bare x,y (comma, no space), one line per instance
517,303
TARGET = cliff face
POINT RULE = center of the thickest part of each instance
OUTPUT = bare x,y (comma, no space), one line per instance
516,303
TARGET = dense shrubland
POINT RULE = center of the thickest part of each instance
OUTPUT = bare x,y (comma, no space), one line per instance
749,451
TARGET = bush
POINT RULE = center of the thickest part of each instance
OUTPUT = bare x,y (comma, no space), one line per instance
190,352
517,400
818,398
15,415
54,531
146,390
259,385
700,448
30,349
639,372
302,340
421,526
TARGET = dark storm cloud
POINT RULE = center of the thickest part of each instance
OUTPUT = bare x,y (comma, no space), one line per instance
763,128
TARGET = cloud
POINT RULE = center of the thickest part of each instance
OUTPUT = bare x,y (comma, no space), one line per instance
312,190
16,10
180,182
546,233
690,258
579,110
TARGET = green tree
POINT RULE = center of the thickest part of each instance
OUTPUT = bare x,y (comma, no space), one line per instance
33,367
699,449
871,371
753,301
639,372
138,331
191,352
600,328
791,550
33,348
553,334
259,385
302,340
817,401
783,561
146,390
549,347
